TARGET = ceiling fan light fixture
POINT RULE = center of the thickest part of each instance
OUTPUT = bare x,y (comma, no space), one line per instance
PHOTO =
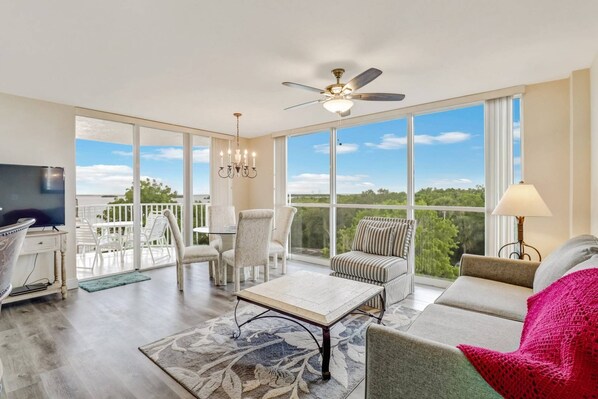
338,105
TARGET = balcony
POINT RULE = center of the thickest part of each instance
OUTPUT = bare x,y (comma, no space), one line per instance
112,225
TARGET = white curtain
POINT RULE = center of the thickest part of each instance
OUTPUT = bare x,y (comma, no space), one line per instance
280,172
499,170
221,190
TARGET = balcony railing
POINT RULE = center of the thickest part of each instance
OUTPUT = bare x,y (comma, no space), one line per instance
124,213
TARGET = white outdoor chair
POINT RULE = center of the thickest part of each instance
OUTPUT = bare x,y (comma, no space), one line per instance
154,233
280,235
218,215
87,237
187,255
251,244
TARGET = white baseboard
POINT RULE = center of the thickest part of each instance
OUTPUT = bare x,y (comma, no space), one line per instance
72,283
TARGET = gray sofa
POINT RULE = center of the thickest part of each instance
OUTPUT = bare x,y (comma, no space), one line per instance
485,307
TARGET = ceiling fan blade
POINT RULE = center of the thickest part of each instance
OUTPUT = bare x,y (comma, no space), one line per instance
346,113
304,87
378,97
363,79
304,104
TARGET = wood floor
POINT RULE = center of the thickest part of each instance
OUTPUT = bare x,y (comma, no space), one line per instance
86,346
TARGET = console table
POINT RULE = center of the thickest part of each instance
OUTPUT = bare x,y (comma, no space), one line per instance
37,242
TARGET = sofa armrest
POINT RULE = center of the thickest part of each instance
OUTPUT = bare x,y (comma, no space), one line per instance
511,271
400,365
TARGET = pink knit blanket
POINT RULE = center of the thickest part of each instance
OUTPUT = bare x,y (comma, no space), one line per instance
558,353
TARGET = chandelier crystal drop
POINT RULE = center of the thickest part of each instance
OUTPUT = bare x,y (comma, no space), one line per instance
238,166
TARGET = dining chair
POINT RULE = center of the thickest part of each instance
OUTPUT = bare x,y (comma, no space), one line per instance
254,230
11,241
219,215
186,255
280,235
87,237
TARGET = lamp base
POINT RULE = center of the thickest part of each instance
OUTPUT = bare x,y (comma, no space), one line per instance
519,251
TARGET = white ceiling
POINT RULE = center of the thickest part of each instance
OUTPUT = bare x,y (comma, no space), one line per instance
194,63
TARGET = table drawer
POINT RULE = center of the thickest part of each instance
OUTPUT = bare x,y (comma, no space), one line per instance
34,244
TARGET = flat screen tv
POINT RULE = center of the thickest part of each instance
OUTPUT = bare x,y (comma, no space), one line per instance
32,192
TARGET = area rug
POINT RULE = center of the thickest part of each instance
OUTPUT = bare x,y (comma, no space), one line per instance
273,358
104,283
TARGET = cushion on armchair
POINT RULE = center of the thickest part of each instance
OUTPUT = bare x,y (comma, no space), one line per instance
400,242
368,266
377,240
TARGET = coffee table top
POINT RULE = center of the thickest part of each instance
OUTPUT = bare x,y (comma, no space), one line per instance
317,298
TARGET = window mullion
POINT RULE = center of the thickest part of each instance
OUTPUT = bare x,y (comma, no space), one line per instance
332,211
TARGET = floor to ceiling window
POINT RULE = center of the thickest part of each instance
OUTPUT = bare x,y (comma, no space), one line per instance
308,187
371,164
108,197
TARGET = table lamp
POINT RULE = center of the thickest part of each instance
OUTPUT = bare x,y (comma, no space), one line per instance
521,200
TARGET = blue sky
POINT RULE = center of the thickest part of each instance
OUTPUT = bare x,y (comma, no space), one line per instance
106,168
449,152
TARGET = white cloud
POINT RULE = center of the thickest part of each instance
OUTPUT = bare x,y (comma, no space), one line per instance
200,155
517,131
517,161
318,183
104,179
392,142
344,148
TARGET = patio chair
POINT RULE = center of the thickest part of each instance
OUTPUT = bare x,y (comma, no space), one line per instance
154,233
251,244
187,255
11,241
280,235
87,237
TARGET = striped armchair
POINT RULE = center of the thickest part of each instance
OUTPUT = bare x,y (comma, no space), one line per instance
379,256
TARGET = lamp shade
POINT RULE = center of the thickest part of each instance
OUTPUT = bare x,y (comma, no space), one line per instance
522,200
338,105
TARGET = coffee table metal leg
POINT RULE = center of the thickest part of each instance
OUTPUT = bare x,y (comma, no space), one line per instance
383,308
326,353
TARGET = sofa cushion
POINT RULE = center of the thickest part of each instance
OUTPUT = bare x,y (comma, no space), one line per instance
571,253
591,263
453,326
487,296
404,231
377,240
372,267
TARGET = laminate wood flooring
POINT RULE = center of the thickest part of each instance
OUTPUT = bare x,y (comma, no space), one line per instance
86,346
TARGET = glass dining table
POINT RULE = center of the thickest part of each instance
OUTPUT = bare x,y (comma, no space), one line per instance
227,236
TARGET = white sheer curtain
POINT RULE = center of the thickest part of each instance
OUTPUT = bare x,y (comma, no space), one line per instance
280,171
499,170
221,190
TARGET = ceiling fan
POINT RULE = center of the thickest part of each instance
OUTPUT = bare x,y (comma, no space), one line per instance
338,96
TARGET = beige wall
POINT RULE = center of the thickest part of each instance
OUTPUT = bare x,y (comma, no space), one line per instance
261,192
36,132
556,137
579,152
594,144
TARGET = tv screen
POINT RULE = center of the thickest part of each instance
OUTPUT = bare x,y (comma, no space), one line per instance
32,192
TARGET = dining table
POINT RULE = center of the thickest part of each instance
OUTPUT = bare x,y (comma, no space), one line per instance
227,237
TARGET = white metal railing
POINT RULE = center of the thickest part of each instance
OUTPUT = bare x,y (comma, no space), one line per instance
124,213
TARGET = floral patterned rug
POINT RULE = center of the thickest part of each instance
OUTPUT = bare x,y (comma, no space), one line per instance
273,358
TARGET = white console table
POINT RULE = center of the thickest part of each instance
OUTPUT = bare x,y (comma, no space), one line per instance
37,242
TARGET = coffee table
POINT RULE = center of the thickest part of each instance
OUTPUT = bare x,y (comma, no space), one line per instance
313,298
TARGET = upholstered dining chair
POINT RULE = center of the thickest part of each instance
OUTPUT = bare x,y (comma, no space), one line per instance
254,230
11,241
187,255
280,235
219,215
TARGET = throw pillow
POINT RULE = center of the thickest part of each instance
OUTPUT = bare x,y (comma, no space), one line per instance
378,239
571,253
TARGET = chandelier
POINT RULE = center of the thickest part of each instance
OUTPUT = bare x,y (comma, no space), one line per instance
239,166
